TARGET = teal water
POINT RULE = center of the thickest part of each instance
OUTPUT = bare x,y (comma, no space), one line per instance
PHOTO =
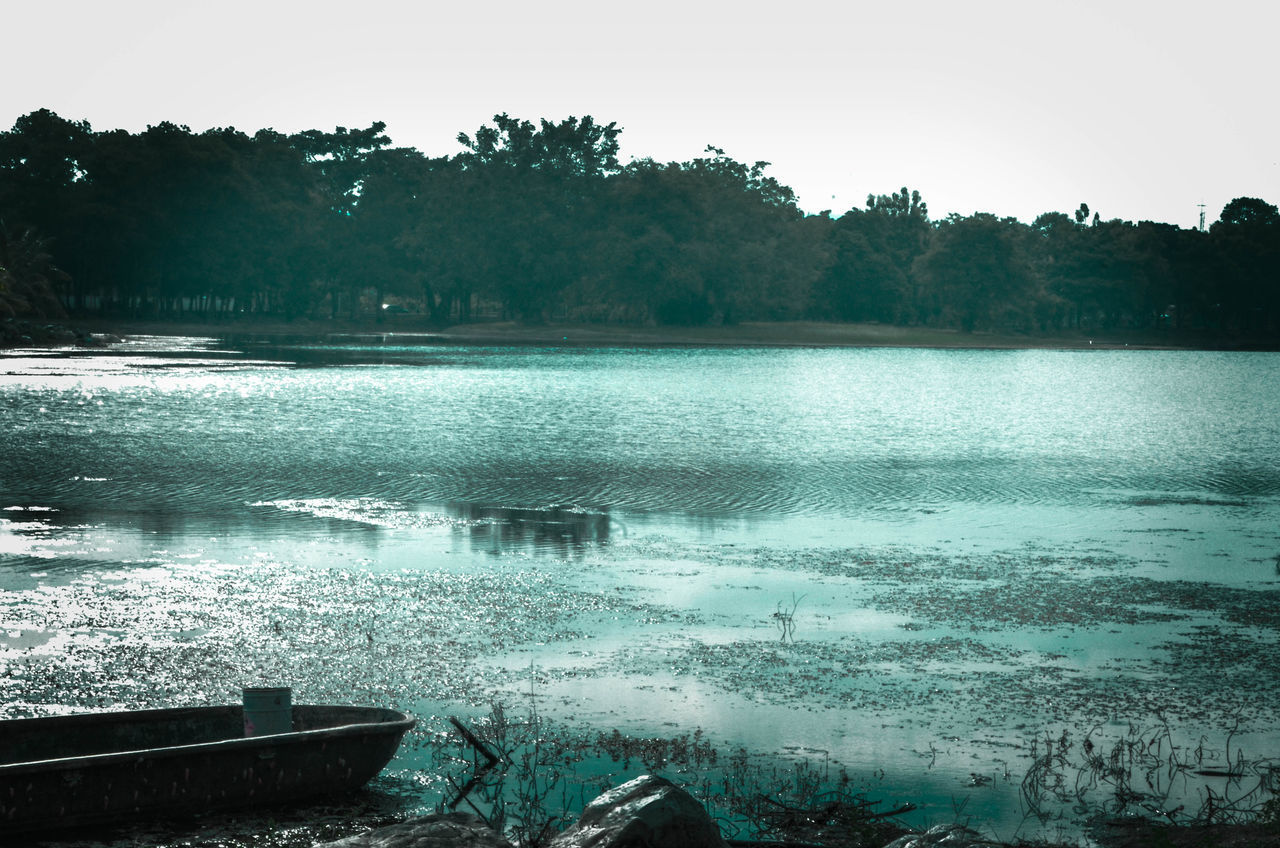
979,546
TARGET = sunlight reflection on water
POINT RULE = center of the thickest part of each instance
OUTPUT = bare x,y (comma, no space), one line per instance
979,546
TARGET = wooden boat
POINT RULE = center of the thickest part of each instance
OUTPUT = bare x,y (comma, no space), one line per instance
93,769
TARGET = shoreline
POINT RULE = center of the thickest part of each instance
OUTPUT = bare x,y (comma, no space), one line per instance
83,332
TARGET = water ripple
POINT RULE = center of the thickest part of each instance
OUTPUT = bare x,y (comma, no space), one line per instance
787,433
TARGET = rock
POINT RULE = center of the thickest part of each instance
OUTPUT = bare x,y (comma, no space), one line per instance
648,812
450,830
15,332
96,339
944,836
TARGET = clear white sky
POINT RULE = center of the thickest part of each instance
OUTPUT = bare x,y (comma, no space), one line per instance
1141,109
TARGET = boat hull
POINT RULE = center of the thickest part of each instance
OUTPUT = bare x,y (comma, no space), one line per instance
74,771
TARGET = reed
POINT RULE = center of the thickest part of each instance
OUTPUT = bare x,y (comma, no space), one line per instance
1146,774
549,773
785,618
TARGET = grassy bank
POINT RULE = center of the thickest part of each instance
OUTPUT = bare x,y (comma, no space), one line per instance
768,334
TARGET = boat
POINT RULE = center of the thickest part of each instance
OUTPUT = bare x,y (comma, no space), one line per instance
94,769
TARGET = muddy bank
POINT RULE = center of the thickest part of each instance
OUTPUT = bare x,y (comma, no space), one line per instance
784,334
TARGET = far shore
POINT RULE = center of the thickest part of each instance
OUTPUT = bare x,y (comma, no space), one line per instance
412,330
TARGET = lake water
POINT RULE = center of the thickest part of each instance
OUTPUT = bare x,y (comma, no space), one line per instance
976,549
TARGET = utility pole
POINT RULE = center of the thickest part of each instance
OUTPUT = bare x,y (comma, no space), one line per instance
1201,205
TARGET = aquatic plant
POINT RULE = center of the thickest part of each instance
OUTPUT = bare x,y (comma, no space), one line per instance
785,618
550,772
801,803
1099,778
1146,774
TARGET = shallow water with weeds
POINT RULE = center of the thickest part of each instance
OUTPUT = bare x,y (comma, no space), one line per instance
902,571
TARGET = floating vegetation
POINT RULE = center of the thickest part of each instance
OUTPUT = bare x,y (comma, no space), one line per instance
897,649
177,636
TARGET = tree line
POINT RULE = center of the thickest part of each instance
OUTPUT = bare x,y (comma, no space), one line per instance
542,222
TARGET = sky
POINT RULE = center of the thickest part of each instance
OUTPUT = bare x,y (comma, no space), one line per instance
1143,110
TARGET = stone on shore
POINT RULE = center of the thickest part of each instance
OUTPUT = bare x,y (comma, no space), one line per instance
944,836
449,830
646,812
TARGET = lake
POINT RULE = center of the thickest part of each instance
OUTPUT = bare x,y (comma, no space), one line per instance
921,566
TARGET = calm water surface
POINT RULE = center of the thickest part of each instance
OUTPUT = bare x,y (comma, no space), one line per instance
977,547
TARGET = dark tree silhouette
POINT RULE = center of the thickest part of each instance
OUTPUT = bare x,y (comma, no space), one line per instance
540,221
28,278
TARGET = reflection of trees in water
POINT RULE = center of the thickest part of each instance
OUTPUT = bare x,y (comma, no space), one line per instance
154,519
558,530
183,521
564,530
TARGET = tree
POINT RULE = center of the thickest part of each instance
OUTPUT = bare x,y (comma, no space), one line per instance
977,275
1246,240
1180,275
28,277
539,220
534,193
339,158
42,175
1108,274
43,151
571,148
340,162
1247,212
900,204
865,280
869,277
711,240
389,200
1050,224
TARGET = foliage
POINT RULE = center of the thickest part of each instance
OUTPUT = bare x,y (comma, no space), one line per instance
541,221
28,277
869,276
976,276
